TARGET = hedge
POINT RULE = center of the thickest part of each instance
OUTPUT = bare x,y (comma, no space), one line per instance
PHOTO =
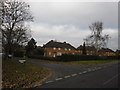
69,57
19,53
41,57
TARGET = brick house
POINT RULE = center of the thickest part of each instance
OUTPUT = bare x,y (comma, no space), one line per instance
106,52
54,48
117,52
90,50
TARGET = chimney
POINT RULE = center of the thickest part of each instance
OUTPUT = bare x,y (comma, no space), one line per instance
51,40
64,42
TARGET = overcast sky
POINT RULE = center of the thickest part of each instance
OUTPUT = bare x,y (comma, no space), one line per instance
69,21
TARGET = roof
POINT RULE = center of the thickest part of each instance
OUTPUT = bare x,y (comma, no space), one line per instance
89,48
117,51
106,50
52,44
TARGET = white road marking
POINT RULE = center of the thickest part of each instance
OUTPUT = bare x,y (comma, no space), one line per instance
79,73
58,78
48,81
73,74
95,68
66,76
111,79
89,70
84,71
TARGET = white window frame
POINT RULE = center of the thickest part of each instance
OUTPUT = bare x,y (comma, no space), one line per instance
54,55
50,53
54,48
65,49
59,54
59,48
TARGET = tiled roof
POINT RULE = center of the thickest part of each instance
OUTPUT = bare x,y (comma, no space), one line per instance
52,44
89,48
117,51
105,50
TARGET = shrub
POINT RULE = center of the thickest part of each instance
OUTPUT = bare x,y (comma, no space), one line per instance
70,57
39,51
19,53
41,57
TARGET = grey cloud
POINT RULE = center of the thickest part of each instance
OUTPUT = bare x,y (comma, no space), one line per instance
71,34
69,21
77,13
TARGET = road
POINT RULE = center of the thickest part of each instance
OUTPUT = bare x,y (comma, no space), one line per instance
86,76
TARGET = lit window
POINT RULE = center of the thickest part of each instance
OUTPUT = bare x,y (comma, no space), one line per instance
54,48
59,48
49,53
65,49
69,49
59,54
54,55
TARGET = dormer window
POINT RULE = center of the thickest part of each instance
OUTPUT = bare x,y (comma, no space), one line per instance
54,48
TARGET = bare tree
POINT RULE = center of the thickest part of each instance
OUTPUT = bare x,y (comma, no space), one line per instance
13,15
96,38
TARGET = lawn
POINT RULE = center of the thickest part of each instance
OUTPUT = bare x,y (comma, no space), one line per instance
16,75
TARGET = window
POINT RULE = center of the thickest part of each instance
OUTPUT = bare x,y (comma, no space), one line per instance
65,49
54,48
59,48
49,53
91,52
59,54
69,49
54,55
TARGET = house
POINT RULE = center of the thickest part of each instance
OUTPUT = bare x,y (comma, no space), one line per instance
106,52
90,50
117,52
54,48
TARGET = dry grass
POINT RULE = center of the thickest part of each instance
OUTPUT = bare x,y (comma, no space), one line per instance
16,75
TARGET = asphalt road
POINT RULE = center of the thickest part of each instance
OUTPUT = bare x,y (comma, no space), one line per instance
87,76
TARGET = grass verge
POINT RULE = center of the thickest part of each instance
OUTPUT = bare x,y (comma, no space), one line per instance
16,75
82,62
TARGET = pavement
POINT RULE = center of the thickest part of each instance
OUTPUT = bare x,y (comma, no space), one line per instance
83,76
